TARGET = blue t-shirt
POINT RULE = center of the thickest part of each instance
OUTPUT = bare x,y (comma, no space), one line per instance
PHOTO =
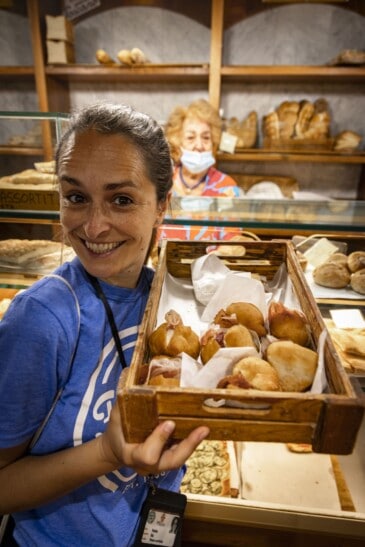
38,335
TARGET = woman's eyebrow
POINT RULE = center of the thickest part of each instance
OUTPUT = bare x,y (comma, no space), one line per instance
106,186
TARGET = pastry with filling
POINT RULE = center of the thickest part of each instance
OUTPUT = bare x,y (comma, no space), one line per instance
235,336
288,324
251,373
173,337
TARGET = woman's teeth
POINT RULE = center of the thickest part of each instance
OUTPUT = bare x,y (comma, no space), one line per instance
100,248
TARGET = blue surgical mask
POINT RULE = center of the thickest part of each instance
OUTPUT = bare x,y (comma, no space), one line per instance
197,162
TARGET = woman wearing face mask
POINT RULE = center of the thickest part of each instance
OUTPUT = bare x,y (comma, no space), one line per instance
193,134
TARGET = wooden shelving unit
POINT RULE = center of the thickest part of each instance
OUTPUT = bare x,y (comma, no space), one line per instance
53,90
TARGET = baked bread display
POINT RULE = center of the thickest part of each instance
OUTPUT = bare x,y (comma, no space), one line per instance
33,254
172,338
134,56
208,470
294,364
295,122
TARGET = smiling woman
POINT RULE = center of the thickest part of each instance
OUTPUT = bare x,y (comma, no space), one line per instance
114,168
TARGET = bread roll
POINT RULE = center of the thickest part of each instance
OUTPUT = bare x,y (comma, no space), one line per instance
294,364
338,258
125,57
356,261
331,275
357,281
103,57
137,56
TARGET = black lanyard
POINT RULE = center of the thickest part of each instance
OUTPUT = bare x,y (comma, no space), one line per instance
99,291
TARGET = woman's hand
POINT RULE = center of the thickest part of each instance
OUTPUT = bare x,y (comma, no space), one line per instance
154,454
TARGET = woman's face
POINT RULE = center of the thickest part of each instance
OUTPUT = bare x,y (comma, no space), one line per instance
196,135
108,206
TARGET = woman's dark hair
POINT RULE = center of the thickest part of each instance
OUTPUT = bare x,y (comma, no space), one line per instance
142,130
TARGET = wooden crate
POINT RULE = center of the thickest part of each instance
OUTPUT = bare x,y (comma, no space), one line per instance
330,421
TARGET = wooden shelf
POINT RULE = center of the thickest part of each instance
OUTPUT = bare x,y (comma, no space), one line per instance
16,72
116,72
20,150
261,154
294,73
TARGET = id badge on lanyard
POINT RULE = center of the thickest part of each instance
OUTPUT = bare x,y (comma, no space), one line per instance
161,518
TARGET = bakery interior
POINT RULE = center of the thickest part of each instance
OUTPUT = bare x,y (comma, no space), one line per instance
248,58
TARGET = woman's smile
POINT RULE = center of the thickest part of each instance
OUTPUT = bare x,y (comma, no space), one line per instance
102,248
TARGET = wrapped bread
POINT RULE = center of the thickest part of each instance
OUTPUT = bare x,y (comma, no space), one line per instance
331,275
172,338
251,373
294,364
288,324
357,281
